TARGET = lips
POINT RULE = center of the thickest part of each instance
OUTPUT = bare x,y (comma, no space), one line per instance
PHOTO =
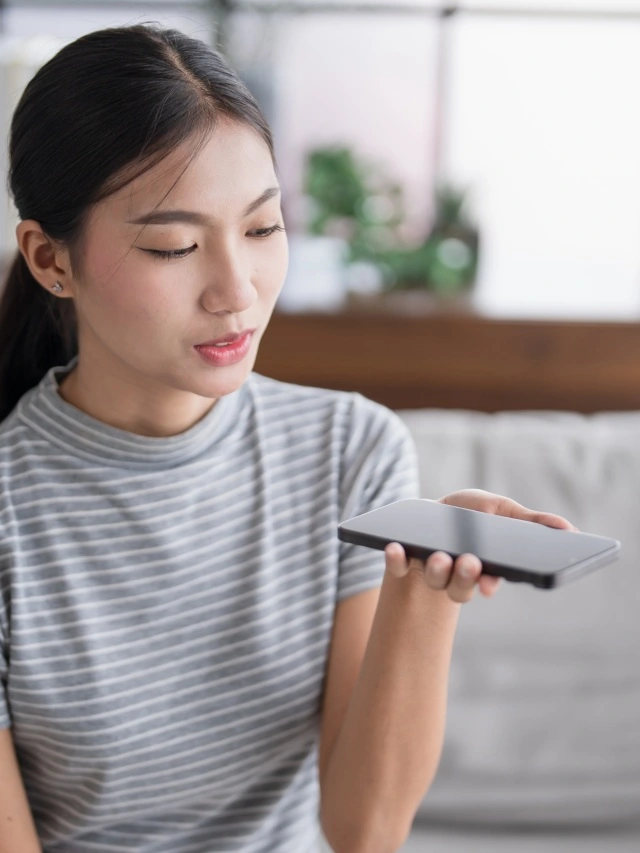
229,351
227,339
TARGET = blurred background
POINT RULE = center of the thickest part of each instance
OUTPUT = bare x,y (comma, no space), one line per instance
461,189
488,151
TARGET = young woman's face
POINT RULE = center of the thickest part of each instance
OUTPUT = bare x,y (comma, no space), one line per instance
148,309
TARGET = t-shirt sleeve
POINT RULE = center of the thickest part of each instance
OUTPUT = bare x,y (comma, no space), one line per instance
379,466
5,719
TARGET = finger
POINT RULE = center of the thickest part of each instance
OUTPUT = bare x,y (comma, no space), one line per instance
437,570
466,571
493,504
512,509
551,520
396,560
488,585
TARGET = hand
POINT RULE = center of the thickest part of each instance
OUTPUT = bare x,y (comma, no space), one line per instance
459,579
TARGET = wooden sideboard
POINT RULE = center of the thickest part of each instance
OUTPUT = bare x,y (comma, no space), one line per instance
458,360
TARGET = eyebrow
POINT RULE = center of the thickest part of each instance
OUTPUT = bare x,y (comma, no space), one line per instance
162,217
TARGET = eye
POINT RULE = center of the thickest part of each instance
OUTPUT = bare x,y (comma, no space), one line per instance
266,232
171,253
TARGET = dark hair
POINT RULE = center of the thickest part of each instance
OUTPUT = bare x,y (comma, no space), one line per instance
102,111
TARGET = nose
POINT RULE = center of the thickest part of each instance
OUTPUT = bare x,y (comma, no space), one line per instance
229,288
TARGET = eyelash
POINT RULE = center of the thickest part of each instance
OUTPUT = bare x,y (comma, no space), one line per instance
182,253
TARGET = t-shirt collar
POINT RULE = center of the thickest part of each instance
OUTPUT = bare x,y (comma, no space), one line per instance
48,413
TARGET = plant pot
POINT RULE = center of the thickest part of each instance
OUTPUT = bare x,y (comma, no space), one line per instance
412,302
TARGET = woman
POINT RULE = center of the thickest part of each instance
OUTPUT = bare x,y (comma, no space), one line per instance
190,660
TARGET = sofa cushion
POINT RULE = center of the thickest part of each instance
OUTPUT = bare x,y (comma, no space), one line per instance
545,684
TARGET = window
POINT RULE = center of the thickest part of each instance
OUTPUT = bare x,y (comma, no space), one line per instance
540,121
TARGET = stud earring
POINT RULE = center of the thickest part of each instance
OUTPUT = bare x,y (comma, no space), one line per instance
57,287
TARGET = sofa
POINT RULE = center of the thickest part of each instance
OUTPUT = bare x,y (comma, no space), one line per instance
542,748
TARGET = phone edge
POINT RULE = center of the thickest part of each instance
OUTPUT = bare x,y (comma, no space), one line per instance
551,581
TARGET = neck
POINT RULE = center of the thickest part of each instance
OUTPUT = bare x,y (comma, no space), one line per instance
113,394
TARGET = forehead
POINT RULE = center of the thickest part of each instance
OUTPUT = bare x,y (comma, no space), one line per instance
228,171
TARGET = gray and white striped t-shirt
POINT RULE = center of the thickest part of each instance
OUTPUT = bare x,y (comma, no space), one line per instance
166,610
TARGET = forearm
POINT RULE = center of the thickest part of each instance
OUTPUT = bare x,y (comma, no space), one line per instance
17,830
389,745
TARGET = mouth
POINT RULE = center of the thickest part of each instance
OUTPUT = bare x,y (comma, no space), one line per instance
227,340
223,352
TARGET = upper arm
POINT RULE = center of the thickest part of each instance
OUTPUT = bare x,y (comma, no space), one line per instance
380,466
17,830
351,629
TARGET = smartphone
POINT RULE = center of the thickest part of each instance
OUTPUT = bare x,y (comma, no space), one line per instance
520,551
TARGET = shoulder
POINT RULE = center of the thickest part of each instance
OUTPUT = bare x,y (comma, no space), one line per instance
14,445
275,391
350,407
23,451
366,441
16,436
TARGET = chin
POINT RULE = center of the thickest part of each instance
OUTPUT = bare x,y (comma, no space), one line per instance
226,380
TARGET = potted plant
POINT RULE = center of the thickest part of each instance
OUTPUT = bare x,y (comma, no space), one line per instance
356,202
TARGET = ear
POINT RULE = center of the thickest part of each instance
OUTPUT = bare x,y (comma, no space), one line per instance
47,262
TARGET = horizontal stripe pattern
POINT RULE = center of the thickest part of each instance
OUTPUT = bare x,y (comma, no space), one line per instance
166,607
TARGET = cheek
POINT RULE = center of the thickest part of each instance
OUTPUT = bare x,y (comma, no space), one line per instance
134,296
274,271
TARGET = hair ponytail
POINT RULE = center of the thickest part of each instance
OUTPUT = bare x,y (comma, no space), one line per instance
37,331
105,109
